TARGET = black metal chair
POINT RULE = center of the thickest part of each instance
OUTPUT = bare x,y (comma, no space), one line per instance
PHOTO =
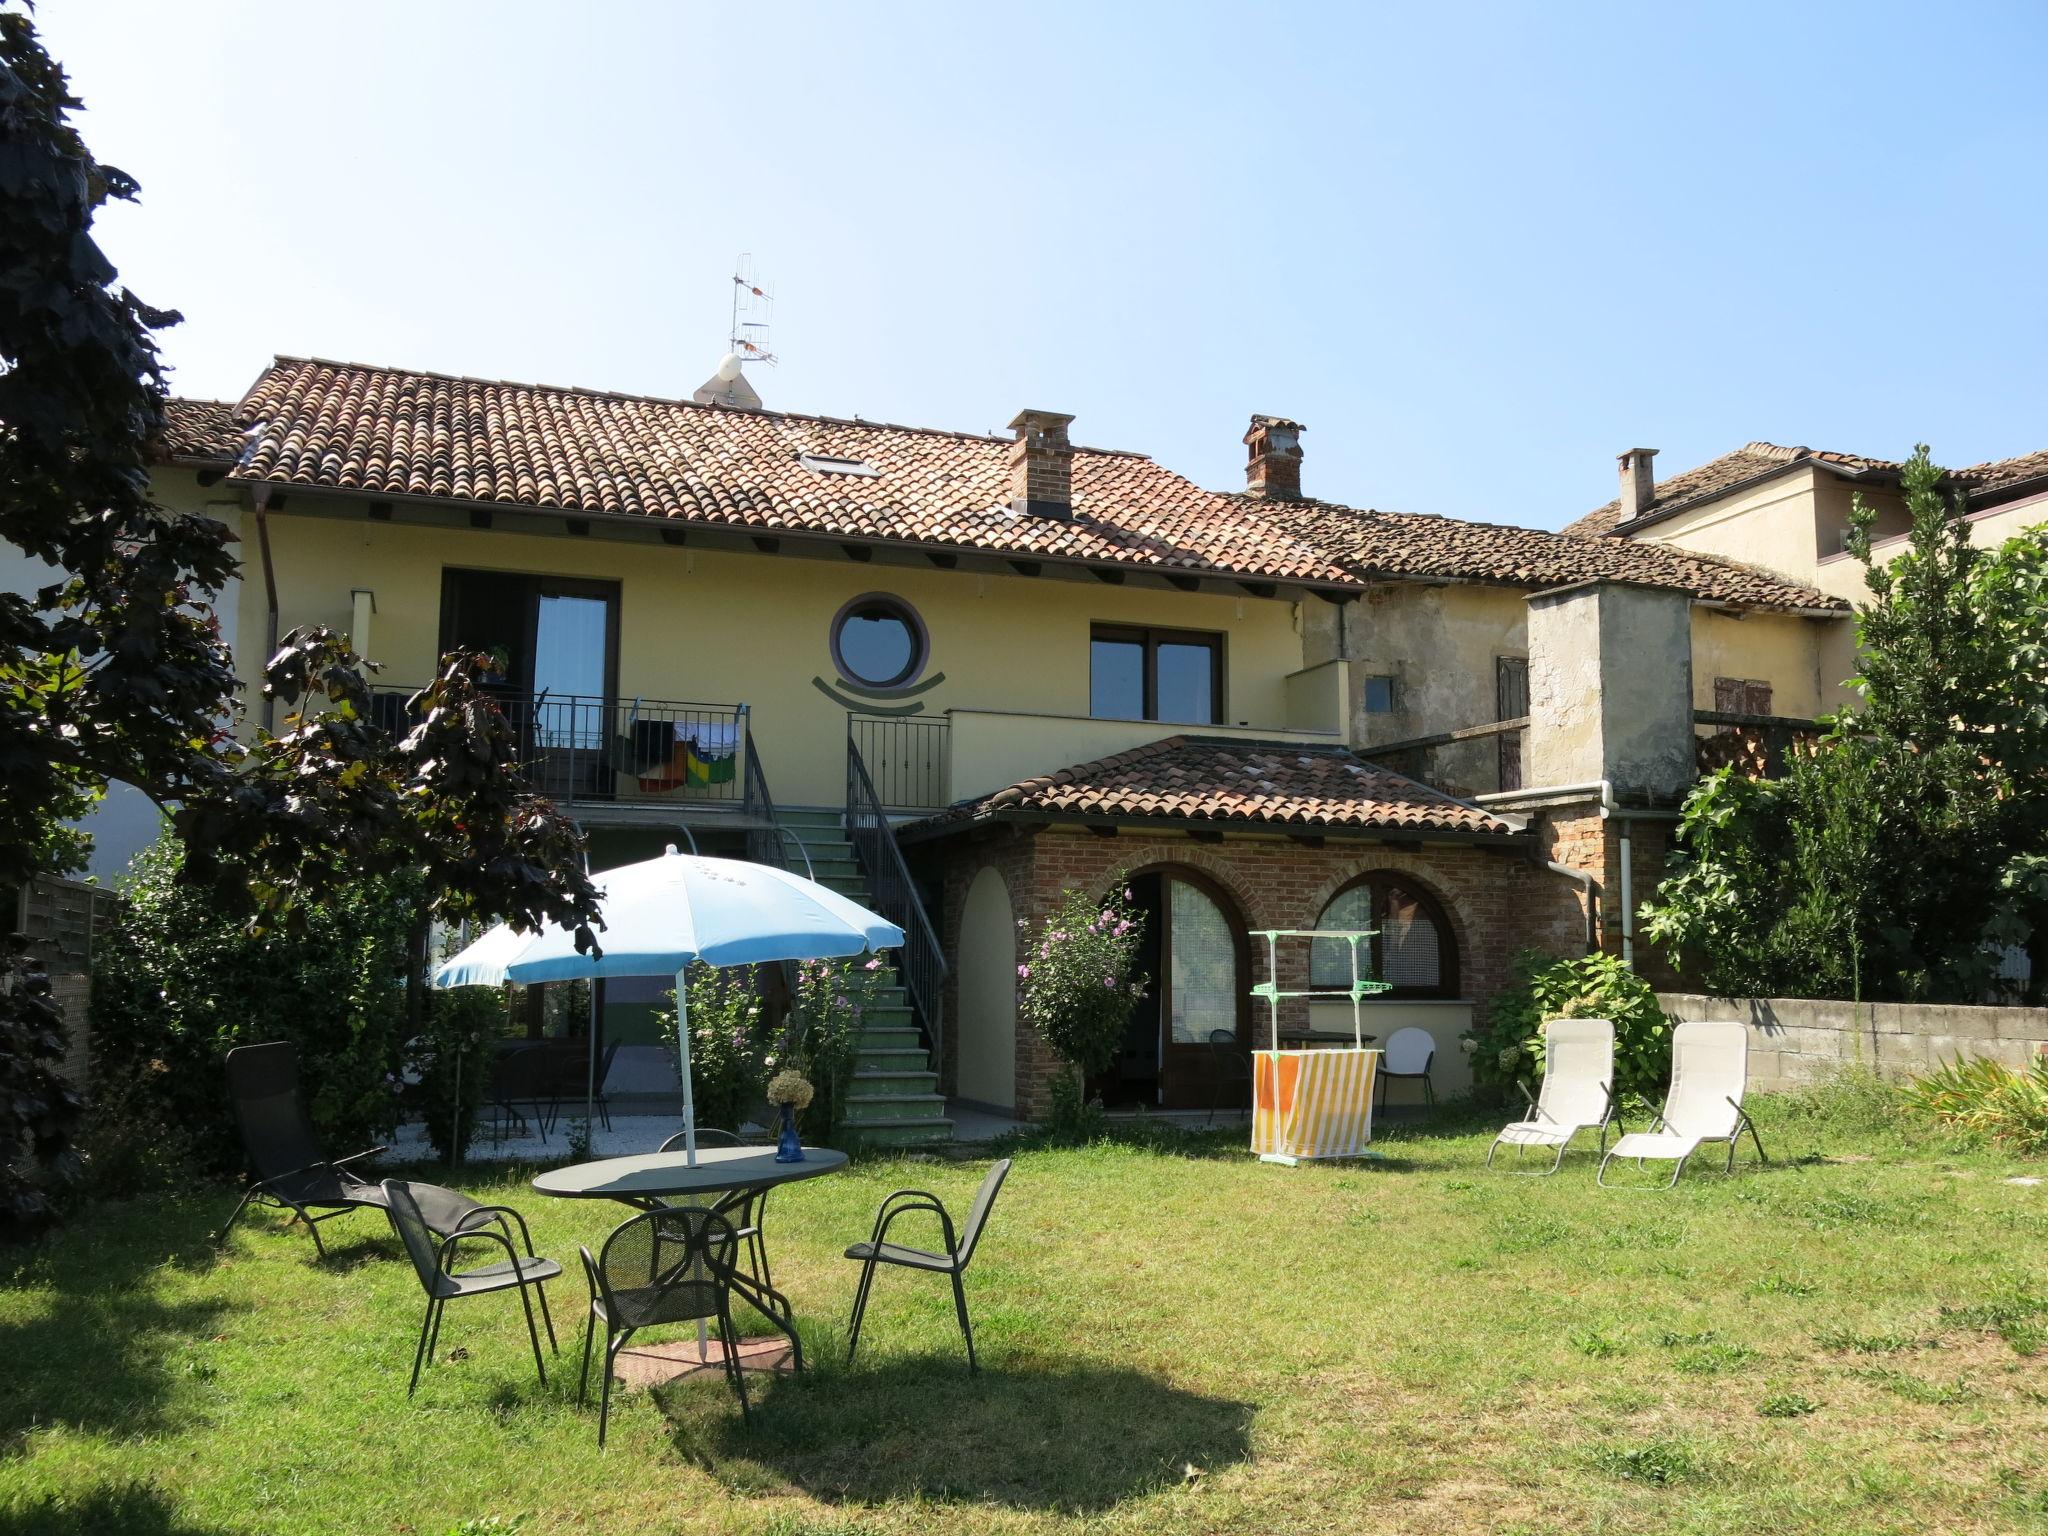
952,1261
519,1075
1231,1060
443,1283
744,1211
291,1172
604,1073
673,1264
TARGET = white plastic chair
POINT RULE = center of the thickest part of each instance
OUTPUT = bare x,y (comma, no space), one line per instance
1408,1053
1577,1093
1709,1070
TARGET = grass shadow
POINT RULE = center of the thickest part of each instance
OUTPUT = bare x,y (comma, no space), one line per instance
105,1351
1064,1438
134,1510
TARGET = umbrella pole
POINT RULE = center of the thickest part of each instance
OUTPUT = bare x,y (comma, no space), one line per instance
590,1065
689,1114
683,1067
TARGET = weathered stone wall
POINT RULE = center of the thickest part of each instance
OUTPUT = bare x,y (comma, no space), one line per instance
1795,1041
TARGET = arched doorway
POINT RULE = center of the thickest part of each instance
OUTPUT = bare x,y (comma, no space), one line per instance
987,1060
1195,959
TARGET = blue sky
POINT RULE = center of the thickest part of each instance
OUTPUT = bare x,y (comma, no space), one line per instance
1478,250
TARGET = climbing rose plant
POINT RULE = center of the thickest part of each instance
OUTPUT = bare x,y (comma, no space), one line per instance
1077,984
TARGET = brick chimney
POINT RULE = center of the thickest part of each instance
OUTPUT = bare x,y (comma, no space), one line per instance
1042,466
1273,470
1638,482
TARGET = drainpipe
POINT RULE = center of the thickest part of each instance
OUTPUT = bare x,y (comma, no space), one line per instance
261,498
1608,810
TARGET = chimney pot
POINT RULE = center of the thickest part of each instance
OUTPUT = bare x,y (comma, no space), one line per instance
1042,466
1638,482
1273,467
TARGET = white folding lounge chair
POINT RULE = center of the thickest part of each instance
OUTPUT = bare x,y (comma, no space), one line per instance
1709,1066
1578,1071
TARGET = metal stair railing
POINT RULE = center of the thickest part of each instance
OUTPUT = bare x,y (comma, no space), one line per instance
895,896
765,837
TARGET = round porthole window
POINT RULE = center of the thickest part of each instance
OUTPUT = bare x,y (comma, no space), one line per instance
878,642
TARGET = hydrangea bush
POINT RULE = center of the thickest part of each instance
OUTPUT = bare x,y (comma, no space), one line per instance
1508,1047
832,998
1078,984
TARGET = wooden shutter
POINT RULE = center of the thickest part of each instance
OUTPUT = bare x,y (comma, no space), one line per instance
1511,702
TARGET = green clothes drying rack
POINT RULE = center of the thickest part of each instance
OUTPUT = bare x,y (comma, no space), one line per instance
1362,985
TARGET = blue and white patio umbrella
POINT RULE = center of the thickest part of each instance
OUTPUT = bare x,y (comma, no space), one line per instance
661,914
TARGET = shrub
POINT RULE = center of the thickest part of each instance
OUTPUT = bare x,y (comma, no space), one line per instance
1987,1099
179,983
1077,988
832,1000
729,1044
453,1060
1508,1047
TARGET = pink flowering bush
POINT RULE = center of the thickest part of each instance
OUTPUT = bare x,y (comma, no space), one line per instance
1077,984
730,1044
832,999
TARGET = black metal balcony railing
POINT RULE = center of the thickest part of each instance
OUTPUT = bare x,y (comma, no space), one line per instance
906,757
583,748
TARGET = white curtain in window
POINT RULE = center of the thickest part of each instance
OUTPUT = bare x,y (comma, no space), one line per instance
1203,964
568,667
1330,959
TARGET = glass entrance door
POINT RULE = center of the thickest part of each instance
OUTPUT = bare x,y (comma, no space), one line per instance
1203,992
571,650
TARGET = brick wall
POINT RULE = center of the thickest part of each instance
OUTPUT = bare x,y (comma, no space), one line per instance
1497,903
1578,837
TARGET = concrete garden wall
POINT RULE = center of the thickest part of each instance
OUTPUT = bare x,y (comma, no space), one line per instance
1793,1042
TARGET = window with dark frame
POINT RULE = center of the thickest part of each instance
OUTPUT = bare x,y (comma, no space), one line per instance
1174,675
1414,949
1379,695
1742,696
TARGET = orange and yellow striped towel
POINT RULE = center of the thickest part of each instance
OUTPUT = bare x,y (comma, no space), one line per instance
1312,1103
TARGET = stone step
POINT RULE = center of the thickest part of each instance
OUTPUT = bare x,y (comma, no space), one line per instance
912,1081
810,816
882,1037
905,1133
866,1108
888,1058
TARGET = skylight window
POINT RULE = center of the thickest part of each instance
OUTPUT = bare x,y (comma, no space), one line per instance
826,464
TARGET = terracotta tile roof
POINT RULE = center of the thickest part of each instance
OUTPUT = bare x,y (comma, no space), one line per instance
384,431
1997,474
1247,785
1410,545
1752,461
200,429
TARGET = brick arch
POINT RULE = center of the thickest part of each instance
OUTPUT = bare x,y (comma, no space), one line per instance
1413,871
1218,870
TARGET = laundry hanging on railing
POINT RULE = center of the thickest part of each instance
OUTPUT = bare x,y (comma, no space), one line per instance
701,753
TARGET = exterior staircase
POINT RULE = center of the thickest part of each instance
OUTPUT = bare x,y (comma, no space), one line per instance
894,1098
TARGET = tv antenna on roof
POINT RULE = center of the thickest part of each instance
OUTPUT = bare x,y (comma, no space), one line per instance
746,342
752,304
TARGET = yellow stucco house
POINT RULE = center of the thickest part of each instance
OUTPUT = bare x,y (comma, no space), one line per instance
954,673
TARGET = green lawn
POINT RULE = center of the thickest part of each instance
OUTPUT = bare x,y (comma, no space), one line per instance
1173,1340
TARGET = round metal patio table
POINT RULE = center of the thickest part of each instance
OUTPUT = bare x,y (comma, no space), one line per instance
732,1174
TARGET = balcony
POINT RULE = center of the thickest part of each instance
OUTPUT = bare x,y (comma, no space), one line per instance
590,751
